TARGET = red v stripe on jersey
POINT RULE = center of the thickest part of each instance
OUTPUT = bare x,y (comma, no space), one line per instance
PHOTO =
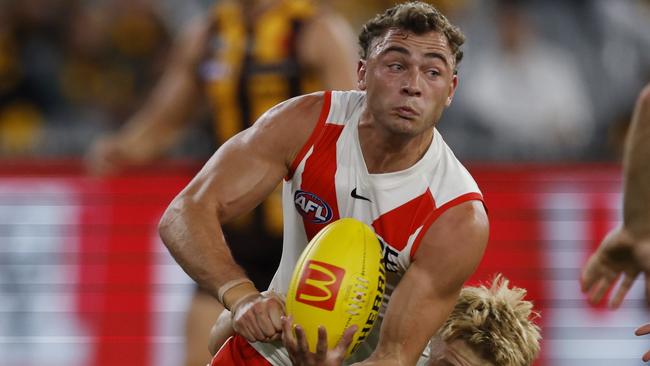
319,172
324,113
396,225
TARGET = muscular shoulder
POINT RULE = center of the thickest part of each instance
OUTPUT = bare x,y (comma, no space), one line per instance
453,246
286,127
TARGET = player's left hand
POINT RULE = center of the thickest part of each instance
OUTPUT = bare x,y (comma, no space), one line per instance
643,330
298,347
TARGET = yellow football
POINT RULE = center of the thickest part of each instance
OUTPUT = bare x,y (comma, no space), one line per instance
338,281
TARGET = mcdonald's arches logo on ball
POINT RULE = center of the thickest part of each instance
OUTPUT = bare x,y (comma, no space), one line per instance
319,285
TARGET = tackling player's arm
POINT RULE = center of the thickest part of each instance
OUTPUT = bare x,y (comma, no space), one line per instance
237,178
220,332
625,251
158,124
449,253
327,45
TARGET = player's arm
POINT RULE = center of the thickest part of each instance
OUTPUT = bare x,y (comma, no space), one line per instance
327,44
626,249
221,330
449,253
636,214
158,124
237,178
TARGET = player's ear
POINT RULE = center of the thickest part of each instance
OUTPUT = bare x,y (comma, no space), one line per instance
452,90
361,75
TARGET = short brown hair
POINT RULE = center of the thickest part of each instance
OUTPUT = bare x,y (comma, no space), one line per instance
417,17
496,322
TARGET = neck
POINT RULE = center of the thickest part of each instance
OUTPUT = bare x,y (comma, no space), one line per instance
386,152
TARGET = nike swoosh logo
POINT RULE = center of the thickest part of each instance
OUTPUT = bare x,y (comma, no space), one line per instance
355,195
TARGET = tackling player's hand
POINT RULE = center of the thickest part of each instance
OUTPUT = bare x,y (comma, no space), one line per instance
643,330
618,254
298,347
257,317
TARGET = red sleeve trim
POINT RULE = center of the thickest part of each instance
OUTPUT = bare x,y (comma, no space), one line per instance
439,211
324,113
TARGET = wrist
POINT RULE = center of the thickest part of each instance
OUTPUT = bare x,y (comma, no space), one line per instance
231,293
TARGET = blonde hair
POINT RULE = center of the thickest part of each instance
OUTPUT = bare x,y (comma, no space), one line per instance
496,322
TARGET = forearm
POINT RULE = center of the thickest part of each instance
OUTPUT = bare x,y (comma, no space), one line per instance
195,239
144,138
405,336
637,171
159,124
220,332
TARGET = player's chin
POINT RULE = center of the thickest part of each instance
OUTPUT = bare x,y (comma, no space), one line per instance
406,127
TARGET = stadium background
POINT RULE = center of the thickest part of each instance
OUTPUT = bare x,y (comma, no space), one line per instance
84,279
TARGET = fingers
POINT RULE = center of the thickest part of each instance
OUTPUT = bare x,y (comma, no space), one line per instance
301,337
258,319
275,315
295,341
321,344
105,157
623,288
642,330
344,342
288,338
588,276
598,290
245,330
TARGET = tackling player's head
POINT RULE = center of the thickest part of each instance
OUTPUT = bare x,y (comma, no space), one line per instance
488,326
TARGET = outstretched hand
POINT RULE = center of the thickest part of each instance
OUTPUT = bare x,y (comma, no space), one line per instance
298,347
618,255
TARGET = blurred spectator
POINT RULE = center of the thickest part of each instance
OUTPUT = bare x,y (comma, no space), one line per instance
68,66
623,59
29,34
526,100
114,51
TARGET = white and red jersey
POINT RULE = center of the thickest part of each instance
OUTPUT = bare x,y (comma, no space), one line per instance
329,180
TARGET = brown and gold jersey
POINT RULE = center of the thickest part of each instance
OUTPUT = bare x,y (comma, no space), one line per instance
249,68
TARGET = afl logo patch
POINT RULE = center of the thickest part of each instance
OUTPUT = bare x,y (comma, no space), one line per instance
311,207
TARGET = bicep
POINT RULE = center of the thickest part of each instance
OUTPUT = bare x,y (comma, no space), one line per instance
249,166
449,253
238,176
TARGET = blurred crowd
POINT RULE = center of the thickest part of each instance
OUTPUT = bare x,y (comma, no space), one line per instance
542,80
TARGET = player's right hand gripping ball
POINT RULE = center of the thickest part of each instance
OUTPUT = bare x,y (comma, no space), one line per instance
338,282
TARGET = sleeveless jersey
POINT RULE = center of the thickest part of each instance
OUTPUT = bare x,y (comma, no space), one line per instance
250,68
329,180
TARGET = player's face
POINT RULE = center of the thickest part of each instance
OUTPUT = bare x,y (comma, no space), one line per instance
455,353
409,80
